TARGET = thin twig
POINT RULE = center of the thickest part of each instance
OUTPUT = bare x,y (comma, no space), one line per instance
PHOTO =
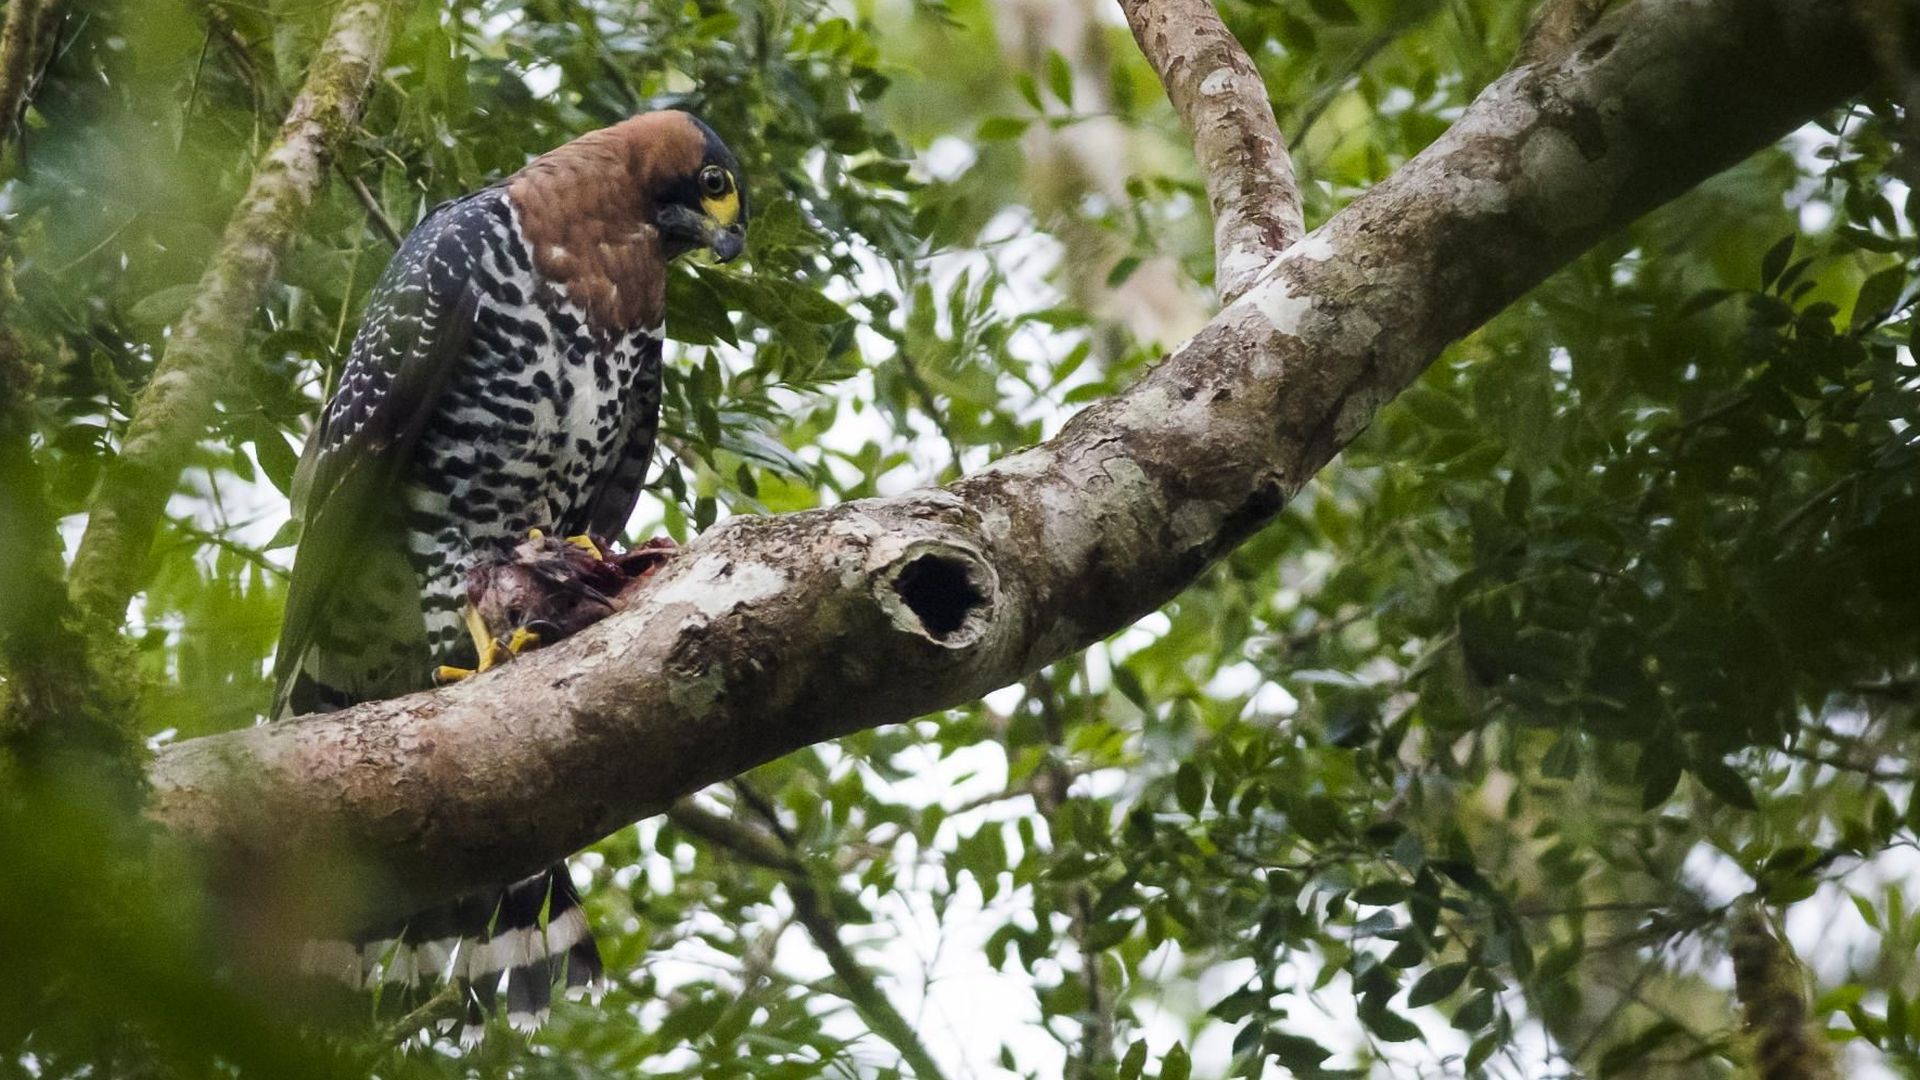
1055,779
775,848
375,214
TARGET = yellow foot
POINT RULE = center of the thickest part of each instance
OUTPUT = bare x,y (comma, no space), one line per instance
582,541
498,652
522,640
447,674
483,643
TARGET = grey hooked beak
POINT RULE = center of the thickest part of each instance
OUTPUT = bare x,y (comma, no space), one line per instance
727,243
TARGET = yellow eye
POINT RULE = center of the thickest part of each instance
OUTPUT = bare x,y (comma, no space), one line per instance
715,181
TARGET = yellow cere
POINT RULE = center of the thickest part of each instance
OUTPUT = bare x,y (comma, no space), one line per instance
723,209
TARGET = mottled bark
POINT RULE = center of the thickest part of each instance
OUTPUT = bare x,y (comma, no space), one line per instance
17,39
1556,25
768,634
204,349
1772,989
1222,101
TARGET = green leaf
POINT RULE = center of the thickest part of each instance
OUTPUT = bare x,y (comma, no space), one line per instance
1060,77
1476,1013
1623,1057
1878,294
1190,788
1389,1026
163,307
1436,985
1134,1060
1002,128
1659,773
1380,893
1562,760
1703,300
1029,90
277,459
1176,1065
1726,784
1334,11
1436,409
1775,260
1482,1049
287,535
1295,1052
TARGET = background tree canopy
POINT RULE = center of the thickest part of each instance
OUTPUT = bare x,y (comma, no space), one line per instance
1584,675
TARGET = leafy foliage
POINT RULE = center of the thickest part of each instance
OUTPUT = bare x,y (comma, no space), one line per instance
1457,769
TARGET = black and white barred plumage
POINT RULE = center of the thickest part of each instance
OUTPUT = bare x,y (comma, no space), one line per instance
505,377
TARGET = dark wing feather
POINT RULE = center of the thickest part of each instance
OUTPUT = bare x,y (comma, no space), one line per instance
417,324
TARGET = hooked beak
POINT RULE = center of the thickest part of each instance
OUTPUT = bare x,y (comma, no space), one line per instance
727,243
682,229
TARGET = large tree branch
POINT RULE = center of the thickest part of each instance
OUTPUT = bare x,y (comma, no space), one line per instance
174,410
1223,103
768,634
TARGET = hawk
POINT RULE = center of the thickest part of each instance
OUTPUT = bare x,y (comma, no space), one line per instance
505,379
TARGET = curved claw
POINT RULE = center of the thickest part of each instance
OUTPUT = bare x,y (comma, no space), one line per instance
521,640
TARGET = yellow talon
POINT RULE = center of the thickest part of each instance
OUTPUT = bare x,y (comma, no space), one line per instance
448,674
522,640
535,534
495,655
585,543
482,636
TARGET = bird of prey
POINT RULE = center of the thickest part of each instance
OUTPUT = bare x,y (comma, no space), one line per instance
505,379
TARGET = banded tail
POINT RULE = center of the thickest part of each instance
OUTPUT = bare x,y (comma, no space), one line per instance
529,936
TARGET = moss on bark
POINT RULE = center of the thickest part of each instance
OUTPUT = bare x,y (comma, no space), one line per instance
173,411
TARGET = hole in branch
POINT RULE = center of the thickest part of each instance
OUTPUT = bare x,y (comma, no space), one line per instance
939,591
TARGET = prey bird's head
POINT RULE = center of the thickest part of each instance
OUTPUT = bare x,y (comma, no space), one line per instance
699,200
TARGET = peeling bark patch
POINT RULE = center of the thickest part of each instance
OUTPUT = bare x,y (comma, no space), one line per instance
1284,311
716,585
1316,248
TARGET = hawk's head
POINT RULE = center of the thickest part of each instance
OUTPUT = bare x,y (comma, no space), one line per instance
605,212
699,200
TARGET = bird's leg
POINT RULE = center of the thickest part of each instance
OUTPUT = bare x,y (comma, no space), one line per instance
583,541
522,639
487,647
492,651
